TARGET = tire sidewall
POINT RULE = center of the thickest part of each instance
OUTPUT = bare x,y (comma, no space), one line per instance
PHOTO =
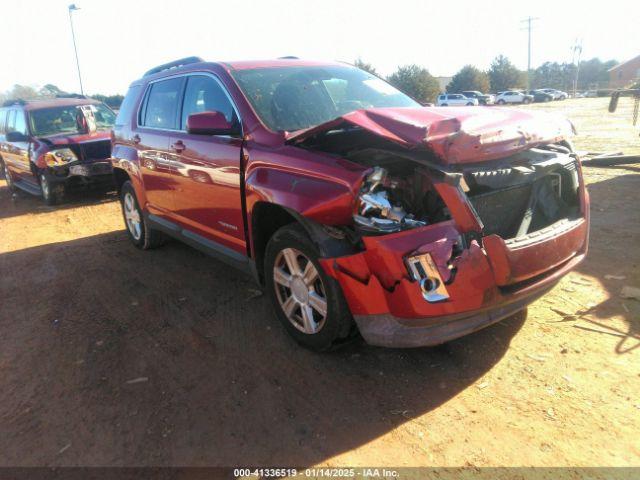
338,321
127,187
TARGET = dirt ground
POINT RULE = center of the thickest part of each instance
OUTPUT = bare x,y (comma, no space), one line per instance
113,356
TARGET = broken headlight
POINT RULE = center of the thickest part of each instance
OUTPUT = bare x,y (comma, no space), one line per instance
380,205
60,156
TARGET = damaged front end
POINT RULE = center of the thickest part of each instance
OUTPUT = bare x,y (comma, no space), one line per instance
448,245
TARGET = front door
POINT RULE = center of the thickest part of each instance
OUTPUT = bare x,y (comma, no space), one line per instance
16,153
207,193
158,119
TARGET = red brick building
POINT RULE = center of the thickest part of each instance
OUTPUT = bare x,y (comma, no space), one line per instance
625,73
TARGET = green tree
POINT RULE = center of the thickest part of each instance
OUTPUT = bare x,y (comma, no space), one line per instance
367,67
113,101
416,82
503,75
469,78
50,91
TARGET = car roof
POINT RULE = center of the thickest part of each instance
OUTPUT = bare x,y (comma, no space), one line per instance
37,104
195,63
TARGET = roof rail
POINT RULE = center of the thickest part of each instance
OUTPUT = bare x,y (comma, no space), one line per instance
15,101
175,64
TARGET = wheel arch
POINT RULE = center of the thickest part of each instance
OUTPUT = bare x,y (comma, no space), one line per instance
267,218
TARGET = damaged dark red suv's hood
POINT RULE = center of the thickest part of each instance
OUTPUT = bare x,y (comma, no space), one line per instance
455,135
62,139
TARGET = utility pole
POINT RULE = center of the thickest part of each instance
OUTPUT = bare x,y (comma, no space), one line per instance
528,20
576,48
72,8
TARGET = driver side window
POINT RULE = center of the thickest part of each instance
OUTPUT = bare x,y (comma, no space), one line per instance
204,94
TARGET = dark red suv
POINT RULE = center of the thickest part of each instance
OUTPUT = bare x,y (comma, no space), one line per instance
49,145
354,206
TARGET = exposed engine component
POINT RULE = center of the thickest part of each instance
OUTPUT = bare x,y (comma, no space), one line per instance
381,204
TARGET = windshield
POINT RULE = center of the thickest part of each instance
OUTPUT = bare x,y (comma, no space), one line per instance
295,98
68,119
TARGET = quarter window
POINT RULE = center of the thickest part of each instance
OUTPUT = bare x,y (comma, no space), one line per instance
3,118
204,94
161,109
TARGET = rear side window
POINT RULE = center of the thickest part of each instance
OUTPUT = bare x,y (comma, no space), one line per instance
161,107
20,123
128,104
204,94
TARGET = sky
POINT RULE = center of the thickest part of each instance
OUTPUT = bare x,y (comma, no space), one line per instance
118,40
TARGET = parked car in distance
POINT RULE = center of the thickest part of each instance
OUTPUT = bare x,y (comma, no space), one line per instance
557,94
513,96
49,145
483,98
455,99
352,205
540,96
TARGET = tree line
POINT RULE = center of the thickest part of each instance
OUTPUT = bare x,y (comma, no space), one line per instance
417,82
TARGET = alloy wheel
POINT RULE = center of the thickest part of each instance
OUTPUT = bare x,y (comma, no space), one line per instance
300,291
132,216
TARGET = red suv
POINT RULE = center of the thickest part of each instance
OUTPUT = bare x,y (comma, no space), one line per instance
48,145
354,206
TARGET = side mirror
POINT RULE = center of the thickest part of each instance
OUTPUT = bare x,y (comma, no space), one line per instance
16,137
209,123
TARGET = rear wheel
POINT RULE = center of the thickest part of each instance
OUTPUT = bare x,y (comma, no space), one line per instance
138,230
308,302
444,105
500,102
526,101
470,104
7,176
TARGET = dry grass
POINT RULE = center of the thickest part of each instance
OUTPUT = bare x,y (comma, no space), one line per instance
598,130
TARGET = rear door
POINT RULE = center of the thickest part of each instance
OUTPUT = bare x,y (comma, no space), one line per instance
158,118
207,168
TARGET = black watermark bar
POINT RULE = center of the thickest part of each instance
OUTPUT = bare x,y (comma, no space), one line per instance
319,473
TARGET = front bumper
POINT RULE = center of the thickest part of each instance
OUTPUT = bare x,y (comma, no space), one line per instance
485,284
85,172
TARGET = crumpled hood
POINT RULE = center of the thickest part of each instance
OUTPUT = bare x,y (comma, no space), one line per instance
455,135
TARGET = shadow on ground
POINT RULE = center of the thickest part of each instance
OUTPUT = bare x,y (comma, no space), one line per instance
615,229
167,357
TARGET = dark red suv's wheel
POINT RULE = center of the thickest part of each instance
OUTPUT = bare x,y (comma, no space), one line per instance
138,230
7,176
306,300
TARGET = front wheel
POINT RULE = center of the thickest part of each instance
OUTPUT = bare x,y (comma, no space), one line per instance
140,233
500,102
470,104
51,193
307,301
444,105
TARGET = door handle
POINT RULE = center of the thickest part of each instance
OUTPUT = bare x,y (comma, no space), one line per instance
136,138
178,146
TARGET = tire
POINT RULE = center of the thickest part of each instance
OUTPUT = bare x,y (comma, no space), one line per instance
444,105
318,317
138,230
7,176
469,104
51,194
500,102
